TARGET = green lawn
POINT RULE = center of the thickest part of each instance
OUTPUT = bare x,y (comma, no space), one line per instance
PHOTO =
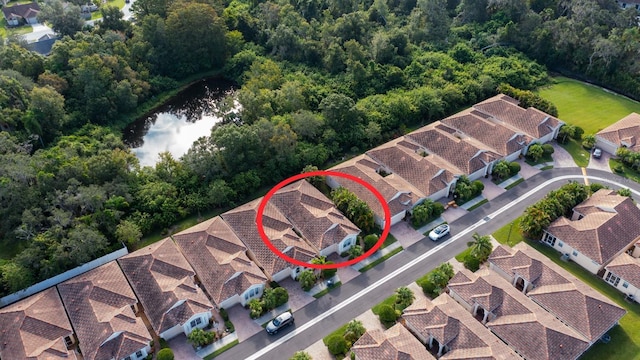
587,106
388,241
627,172
460,257
391,301
509,234
222,349
514,184
338,331
382,259
578,153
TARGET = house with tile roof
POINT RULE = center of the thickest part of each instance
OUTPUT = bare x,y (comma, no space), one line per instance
316,218
505,110
221,263
450,332
495,136
164,282
36,328
100,304
515,318
242,220
598,230
21,14
570,300
399,195
623,273
623,133
395,343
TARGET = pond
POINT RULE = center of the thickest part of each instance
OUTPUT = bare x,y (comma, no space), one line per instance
178,123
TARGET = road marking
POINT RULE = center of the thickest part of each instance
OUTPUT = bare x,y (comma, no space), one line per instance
586,178
420,258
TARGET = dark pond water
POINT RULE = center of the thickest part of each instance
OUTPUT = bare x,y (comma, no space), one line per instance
174,126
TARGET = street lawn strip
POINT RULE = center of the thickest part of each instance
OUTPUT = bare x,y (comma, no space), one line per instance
326,291
378,261
579,154
544,159
548,167
627,172
339,331
514,184
625,339
460,257
587,106
503,236
478,205
391,301
388,241
222,349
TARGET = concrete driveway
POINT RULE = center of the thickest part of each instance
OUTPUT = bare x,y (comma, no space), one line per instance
600,164
39,30
561,157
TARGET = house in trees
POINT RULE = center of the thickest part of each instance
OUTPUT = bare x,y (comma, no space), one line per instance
503,109
623,272
21,14
101,304
629,4
242,220
393,343
221,263
554,289
164,282
597,232
316,218
36,328
623,133
450,332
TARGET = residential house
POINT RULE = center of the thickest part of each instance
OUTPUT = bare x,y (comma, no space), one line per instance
598,230
43,45
503,109
629,4
21,14
570,300
451,332
524,326
36,328
466,154
100,304
623,133
399,195
316,218
242,220
395,343
164,282
220,261
495,136
623,273
430,176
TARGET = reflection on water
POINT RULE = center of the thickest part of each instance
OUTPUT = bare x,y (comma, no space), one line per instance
177,124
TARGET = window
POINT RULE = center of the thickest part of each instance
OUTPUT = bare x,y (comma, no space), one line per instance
549,239
139,353
625,284
199,321
246,296
612,279
575,253
127,358
193,323
560,243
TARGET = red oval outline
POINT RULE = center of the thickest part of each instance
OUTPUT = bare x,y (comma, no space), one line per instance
283,183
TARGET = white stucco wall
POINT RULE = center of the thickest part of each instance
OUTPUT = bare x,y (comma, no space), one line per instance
282,275
629,290
606,145
575,255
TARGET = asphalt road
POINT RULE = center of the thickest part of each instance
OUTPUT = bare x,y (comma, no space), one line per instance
341,304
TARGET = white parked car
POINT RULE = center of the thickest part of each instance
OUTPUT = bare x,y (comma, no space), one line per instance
597,153
281,321
439,232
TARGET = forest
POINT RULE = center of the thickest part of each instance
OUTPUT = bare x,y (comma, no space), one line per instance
319,80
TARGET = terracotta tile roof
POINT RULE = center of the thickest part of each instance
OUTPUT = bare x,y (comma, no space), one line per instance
219,258
242,220
625,131
313,214
462,153
603,231
519,320
563,295
99,304
395,343
163,280
451,325
531,121
35,328
399,194
627,268
499,138
403,158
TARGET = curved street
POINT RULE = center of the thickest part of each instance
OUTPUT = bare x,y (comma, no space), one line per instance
324,315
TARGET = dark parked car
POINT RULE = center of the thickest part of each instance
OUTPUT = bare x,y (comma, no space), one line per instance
281,321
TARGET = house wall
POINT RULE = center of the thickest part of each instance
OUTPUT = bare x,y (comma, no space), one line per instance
501,272
246,296
513,157
636,251
173,332
230,301
606,145
574,254
347,243
205,316
416,332
478,174
329,250
145,351
460,301
282,275
32,20
629,290
13,22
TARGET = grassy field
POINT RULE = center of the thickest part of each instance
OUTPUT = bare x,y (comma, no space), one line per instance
509,234
628,172
590,107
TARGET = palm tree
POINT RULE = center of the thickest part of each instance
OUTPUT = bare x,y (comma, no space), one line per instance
307,279
404,297
481,246
320,260
354,330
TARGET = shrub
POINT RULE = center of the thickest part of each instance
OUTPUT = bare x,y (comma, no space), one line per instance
387,314
229,325
355,251
328,273
471,262
199,337
535,152
337,345
370,241
354,331
224,314
282,296
301,355
255,306
547,149
577,135
618,169
589,141
514,168
165,354
307,279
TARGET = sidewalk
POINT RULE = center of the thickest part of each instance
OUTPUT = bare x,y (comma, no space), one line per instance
377,255
209,349
324,285
510,181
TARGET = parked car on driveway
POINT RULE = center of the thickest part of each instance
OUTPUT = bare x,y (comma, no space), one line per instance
281,321
439,232
597,153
